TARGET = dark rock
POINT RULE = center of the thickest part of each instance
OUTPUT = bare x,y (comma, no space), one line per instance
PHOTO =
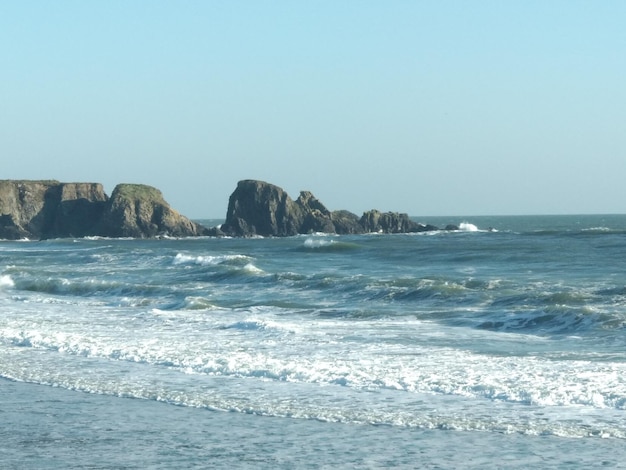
346,222
29,206
259,208
315,216
10,230
79,210
388,222
47,209
139,211
451,227
50,209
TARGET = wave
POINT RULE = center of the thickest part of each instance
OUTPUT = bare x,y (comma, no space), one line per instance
557,319
325,245
467,227
6,281
350,383
210,260
91,287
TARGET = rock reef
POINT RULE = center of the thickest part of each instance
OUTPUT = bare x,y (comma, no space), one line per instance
51,209
257,208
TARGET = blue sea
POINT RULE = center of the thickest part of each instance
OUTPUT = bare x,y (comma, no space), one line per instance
500,345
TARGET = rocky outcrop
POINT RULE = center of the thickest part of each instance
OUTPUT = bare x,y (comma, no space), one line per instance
139,211
314,217
80,208
50,209
346,222
260,208
257,208
392,222
46,209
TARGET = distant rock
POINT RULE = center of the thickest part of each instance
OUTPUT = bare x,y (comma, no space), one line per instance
139,211
389,222
80,208
313,215
263,209
259,208
346,222
50,209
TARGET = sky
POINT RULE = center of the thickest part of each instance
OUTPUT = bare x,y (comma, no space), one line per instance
425,107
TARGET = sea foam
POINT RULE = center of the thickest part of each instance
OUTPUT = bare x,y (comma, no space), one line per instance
467,227
6,281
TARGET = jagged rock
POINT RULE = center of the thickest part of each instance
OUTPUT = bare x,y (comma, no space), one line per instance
80,208
26,207
50,209
10,230
139,211
315,216
259,208
346,222
388,222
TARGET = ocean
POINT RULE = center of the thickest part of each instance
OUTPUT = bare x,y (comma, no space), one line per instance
500,345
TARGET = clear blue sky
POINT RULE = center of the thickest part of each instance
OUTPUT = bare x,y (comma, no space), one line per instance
427,107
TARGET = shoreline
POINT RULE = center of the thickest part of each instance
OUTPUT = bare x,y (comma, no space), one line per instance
48,427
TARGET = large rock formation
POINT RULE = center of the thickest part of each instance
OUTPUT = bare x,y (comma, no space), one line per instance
50,209
263,209
45,209
260,208
391,222
139,211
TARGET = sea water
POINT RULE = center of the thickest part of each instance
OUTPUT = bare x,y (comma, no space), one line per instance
500,345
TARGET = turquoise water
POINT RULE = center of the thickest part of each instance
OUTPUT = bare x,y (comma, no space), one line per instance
499,345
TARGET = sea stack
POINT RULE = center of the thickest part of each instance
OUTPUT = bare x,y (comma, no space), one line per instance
257,208
50,209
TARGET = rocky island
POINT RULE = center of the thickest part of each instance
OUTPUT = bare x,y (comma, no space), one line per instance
260,208
50,209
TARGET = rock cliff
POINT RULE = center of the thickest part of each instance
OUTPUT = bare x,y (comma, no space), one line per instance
50,209
139,211
260,208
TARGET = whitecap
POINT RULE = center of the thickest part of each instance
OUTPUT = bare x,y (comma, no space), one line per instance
317,243
6,281
467,227
252,269
207,260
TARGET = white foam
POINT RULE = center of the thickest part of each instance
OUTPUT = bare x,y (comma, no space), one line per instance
467,227
317,243
6,281
207,260
252,269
